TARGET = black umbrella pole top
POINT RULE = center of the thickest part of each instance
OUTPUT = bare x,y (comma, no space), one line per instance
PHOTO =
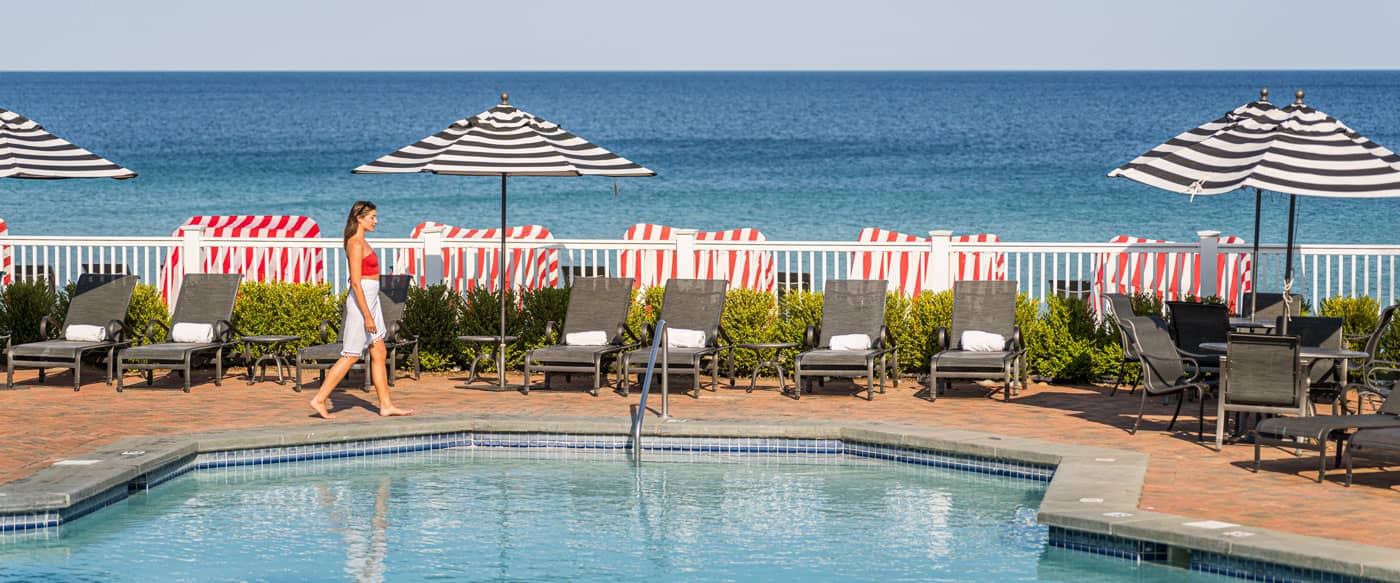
1264,94
505,98
1298,97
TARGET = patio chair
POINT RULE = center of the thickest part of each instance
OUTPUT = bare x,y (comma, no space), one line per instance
1118,307
1269,306
1373,443
1260,374
393,297
1164,369
849,306
202,324
597,306
1322,428
1378,375
1325,382
988,307
688,304
99,300
1193,324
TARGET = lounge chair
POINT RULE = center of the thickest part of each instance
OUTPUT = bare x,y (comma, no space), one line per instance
849,307
1261,374
686,305
206,299
1373,443
99,300
1193,324
1322,428
981,306
1119,307
597,306
393,296
1164,369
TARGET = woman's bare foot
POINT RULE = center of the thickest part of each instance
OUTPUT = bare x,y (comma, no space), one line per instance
320,409
392,411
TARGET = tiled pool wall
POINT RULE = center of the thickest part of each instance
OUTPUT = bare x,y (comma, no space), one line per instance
674,449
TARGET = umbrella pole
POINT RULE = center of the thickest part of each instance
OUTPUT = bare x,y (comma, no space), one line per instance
1253,271
1288,261
501,267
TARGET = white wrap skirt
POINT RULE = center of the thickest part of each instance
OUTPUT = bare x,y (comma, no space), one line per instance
353,334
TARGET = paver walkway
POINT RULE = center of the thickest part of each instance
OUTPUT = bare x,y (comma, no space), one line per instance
49,421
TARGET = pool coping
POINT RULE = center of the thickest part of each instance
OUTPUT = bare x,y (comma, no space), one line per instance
1094,490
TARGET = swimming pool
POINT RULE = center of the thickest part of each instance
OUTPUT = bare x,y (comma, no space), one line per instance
484,514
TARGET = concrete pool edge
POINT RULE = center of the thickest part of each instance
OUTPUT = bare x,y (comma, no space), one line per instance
1094,491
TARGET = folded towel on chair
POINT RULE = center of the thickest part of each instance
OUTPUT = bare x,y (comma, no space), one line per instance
192,333
683,338
979,341
589,338
849,342
84,333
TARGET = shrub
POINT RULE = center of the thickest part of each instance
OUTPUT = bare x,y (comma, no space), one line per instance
1361,315
1068,346
480,315
645,314
918,335
24,304
287,308
1147,304
431,314
749,316
147,305
542,306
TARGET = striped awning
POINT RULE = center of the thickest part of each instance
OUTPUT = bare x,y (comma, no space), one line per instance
28,151
1291,150
505,141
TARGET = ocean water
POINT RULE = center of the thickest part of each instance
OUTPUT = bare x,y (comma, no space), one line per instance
799,156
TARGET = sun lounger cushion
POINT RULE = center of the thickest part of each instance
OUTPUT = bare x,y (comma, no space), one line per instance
191,332
683,338
84,333
979,341
850,342
589,338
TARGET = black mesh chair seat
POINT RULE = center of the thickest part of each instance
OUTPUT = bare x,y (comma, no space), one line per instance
825,357
1322,428
1373,443
47,349
327,351
972,360
98,300
849,306
567,354
167,351
596,304
687,358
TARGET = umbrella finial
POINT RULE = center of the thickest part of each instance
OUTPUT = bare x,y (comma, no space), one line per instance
505,99
1299,95
1264,94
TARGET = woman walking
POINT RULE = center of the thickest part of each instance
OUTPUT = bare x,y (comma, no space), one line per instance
364,322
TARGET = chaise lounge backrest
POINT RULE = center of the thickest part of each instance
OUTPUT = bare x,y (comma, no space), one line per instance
599,303
985,306
100,298
695,304
206,298
853,306
393,298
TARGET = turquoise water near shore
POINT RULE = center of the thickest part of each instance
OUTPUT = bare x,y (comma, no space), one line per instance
803,155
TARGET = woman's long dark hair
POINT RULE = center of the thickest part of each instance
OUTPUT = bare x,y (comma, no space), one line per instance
357,210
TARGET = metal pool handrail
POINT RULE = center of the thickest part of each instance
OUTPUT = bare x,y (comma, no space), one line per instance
639,411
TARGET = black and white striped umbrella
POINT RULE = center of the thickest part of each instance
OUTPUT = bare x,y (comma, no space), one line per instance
28,151
505,141
1295,150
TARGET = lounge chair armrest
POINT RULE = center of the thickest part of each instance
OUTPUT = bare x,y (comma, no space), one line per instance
549,331
223,331
625,335
887,338
648,330
151,328
809,338
724,336
116,330
44,324
326,327
941,337
1018,343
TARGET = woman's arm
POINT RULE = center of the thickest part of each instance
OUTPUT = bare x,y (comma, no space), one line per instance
355,254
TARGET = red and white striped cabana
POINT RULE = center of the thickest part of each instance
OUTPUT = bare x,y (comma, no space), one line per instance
907,271
468,269
1170,276
290,264
742,269
7,259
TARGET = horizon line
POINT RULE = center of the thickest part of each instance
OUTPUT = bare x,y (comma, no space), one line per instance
1067,70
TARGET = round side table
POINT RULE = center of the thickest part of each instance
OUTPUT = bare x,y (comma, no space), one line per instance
486,349
767,353
276,352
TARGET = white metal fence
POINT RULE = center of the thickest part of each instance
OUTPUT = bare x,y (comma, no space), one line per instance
1041,269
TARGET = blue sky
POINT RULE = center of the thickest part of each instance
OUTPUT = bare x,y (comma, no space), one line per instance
699,35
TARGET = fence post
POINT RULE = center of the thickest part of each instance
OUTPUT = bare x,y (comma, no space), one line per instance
939,274
431,255
1208,259
685,253
192,249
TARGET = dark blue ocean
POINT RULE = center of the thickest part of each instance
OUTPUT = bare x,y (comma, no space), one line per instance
803,155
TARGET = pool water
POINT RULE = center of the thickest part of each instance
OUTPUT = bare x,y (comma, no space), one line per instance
462,515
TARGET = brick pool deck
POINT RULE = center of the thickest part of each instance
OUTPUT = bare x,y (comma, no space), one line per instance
49,422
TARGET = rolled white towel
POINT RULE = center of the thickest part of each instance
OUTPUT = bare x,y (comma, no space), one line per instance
589,338
979,341
190,332
84,333
850,342
683,338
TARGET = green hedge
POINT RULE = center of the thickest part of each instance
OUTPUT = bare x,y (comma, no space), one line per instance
23,305
287,308
1361,314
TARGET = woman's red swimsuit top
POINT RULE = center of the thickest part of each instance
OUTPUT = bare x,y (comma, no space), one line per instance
369,266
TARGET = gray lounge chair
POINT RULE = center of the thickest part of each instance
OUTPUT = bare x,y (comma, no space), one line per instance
1164,369
205,298
849,306
688,304
595,304
1322,428
1119,307
1261,374
1373,443
98,300
393,297
986,306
